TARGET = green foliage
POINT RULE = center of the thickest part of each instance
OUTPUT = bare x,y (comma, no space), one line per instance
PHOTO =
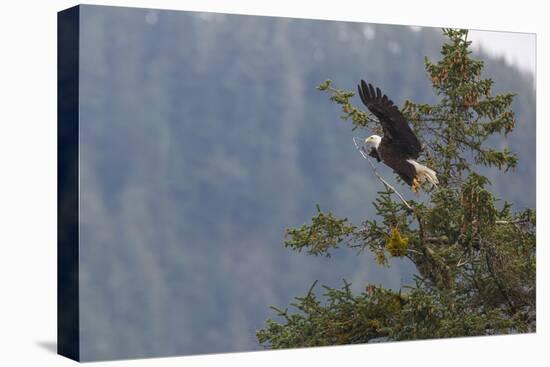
358,118
344,319
324,232
466,116
475,261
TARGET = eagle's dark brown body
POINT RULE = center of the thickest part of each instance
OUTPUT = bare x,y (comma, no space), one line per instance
399,147
404,169
397,162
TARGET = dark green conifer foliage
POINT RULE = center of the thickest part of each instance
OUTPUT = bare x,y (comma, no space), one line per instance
475,255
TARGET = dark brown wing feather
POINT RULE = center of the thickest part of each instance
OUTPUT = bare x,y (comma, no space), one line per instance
397,131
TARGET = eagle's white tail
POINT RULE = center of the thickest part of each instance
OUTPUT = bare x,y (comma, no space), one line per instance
424,173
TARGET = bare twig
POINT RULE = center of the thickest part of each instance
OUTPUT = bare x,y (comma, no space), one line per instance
437,240
515,221
460,263
361,150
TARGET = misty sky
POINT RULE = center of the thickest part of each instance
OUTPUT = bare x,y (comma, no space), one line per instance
519,49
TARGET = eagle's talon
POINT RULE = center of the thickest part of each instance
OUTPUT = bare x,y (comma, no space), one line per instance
415,185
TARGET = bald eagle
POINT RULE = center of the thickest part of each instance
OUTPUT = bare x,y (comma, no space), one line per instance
399,147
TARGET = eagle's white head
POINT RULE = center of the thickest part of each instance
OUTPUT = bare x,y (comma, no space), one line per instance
373,140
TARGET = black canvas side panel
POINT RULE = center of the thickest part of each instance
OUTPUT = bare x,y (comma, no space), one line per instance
68,343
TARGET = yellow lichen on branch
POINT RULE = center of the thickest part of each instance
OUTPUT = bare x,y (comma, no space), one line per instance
397,244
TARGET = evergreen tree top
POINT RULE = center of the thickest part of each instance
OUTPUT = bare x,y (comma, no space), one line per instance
474,256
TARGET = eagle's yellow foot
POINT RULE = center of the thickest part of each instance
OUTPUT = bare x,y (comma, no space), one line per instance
415,185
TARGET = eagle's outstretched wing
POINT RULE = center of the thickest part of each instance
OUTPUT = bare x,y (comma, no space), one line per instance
397,131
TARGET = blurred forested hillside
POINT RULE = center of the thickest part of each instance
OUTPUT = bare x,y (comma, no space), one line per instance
203,138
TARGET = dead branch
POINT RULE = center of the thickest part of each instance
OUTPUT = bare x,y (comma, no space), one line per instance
515,221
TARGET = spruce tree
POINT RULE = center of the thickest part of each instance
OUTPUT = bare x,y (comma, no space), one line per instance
474,254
